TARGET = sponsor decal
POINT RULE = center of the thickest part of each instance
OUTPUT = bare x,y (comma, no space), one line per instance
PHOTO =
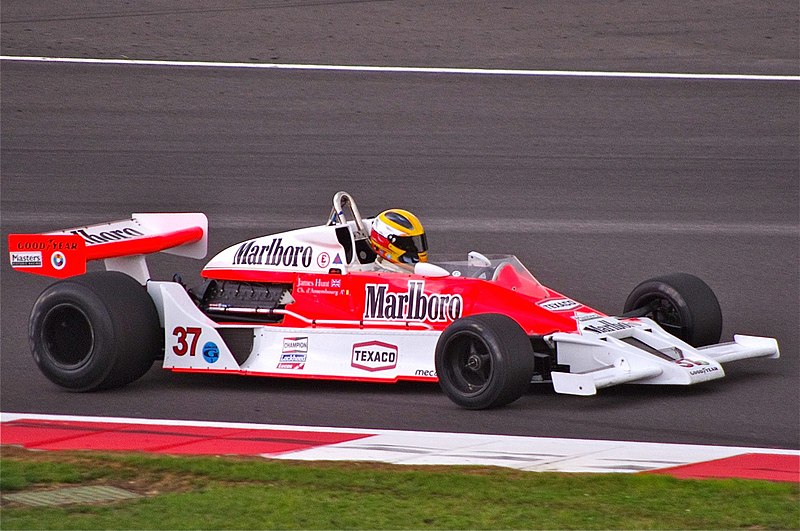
323,260
59,256
31,246
412,305
687,363
582,316
107,236
293,361
58,260
703,370
293,353
273,254
697,366
26,258
605,325
374,356
53,244
559,305
428,373
211,352
293,345
321,286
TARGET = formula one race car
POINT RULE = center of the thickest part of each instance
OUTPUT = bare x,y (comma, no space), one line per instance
308,304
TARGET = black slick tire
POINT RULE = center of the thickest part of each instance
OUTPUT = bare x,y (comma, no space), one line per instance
681,304
484,361
95,331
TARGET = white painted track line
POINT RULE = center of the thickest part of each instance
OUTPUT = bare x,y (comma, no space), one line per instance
534,454
408,69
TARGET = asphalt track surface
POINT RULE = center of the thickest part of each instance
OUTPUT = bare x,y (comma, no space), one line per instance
595,183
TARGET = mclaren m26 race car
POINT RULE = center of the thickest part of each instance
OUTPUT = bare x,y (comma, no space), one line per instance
308,303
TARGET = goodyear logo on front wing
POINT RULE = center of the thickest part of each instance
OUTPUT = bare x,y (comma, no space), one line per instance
412,305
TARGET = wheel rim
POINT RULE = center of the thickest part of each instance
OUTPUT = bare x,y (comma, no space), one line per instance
67,336
468,363
664,312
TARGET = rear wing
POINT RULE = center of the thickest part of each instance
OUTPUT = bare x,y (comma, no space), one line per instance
122,244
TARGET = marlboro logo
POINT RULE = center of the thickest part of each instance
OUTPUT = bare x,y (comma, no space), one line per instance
411,305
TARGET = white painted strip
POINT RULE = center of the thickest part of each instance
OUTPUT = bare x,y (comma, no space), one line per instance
408,69
542,454
535,454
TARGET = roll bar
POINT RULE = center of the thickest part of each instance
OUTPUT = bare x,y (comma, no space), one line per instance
344,205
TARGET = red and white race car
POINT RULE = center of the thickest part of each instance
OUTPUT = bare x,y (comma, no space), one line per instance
307,304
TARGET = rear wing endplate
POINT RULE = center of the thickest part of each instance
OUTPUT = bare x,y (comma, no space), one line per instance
122,244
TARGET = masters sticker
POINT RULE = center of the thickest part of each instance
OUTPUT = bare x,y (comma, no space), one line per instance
26,258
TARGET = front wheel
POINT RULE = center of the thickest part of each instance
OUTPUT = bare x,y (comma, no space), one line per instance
681,304
484,361
95,331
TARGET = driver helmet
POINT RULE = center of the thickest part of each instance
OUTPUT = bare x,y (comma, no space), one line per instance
397,236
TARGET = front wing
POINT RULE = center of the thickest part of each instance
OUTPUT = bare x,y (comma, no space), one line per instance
640,351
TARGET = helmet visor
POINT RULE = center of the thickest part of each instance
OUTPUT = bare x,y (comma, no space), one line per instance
413,247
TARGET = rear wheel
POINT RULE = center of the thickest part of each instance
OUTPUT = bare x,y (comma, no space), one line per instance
95,331
681,304
484,361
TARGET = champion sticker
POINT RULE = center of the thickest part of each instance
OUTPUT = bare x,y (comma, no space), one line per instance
294,345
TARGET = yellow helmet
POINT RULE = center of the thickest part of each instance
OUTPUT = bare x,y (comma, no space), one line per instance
398,237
